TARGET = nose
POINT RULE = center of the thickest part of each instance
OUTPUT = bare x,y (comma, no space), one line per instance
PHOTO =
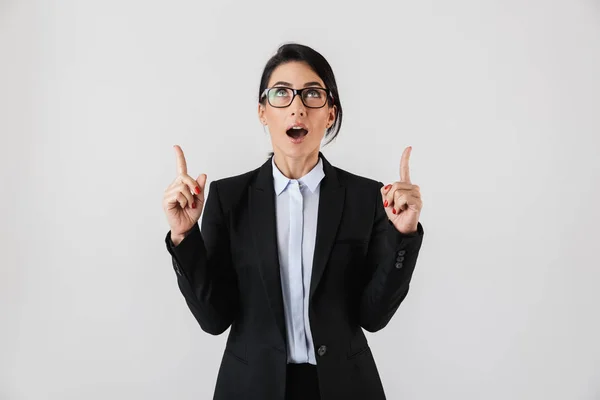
297,106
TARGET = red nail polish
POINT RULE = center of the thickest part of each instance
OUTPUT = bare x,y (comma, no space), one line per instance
197,190
385,204
394,210
387,187
193,205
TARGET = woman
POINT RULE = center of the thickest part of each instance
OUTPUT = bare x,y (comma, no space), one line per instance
297,255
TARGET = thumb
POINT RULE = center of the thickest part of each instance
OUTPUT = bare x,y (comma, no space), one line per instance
201,181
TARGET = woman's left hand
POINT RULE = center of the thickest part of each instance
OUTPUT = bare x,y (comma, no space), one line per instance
402,199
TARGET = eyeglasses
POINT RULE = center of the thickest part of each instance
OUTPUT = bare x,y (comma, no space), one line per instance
281,96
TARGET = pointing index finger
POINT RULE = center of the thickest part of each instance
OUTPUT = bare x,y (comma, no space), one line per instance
404,168
181,164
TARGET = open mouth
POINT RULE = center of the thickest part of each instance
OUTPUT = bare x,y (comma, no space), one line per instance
296,133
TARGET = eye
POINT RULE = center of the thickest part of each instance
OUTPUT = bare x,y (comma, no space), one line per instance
315,93
280,92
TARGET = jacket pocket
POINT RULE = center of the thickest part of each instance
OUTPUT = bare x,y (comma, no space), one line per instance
358,352
235,355
236,344
358,344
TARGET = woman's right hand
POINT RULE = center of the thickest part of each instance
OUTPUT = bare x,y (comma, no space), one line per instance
183,200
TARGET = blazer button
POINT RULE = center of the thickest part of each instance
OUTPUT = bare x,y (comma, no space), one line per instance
402,252
322,350
400,258
398,265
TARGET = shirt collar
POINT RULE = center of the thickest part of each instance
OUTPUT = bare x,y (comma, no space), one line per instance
311,180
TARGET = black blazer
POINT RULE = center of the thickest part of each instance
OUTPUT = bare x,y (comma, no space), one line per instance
228,273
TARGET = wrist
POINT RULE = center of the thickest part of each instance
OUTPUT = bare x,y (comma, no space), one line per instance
177,238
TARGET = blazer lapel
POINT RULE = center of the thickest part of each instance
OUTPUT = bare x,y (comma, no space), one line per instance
262,211
331,204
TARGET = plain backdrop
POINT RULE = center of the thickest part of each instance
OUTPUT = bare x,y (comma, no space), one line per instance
500,100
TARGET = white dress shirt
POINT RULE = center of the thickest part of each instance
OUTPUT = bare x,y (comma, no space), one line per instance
296,205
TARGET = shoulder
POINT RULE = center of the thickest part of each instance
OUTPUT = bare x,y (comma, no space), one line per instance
230,183
234,185
231,190
356,182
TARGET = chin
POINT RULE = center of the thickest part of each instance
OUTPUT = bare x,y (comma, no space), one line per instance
298,144
296,151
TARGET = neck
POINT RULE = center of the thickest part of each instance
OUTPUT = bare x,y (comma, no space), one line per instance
296,167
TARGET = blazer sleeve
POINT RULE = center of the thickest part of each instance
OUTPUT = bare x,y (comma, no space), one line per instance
390,262
205,273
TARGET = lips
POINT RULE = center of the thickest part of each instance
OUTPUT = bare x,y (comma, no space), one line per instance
296,133
297,130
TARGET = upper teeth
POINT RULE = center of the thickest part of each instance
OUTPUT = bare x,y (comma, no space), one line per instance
296,127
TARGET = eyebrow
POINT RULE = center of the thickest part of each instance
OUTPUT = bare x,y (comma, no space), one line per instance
307,84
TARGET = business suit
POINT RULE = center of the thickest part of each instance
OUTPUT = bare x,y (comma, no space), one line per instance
229,276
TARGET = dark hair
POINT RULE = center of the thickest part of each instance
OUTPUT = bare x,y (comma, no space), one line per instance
298,52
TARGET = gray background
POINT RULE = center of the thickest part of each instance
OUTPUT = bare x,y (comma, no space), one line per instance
499,99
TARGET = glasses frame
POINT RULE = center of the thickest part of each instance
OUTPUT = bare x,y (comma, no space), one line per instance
296,92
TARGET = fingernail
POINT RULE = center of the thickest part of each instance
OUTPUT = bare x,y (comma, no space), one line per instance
193,205
197,190
385,204
394,210
388,187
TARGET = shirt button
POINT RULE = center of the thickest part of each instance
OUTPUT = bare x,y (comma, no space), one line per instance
322,350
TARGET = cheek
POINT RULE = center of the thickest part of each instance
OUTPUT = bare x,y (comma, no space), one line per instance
276,120
320,119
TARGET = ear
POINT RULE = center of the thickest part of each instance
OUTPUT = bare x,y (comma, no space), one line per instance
261,114
332,114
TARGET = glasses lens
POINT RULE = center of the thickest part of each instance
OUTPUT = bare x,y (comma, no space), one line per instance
314,98
280,97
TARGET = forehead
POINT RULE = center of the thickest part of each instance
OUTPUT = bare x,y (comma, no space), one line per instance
295,72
